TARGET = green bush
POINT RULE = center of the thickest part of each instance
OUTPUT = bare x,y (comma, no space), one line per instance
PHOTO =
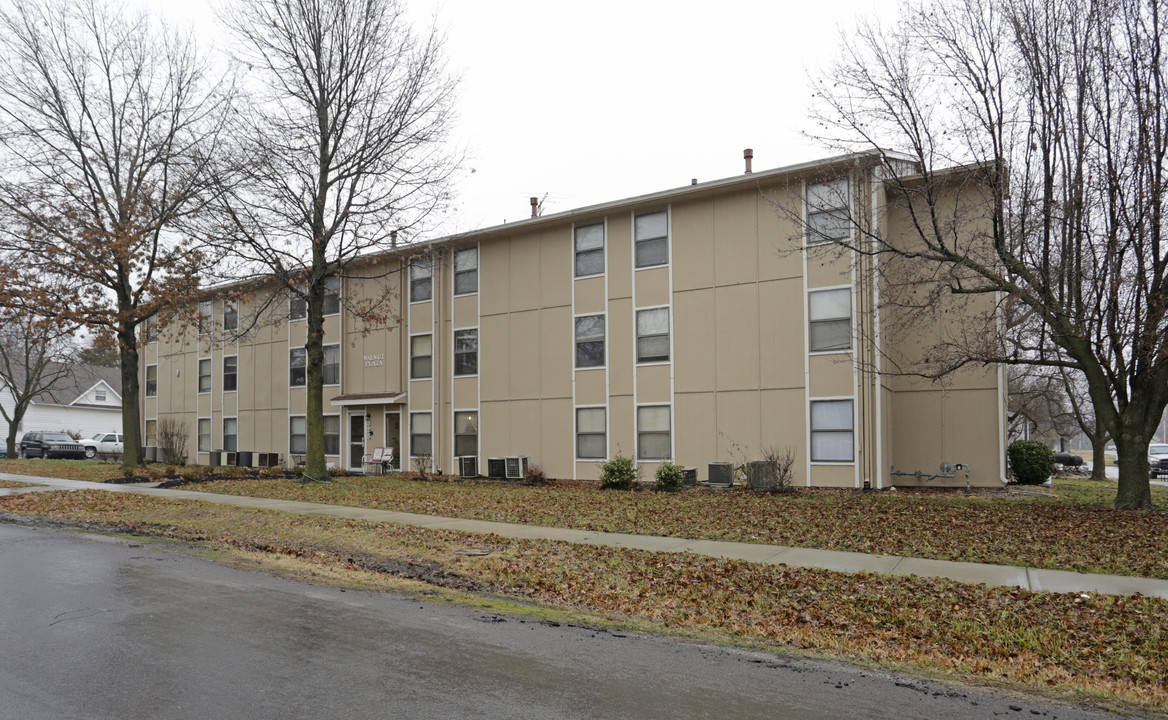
619,473
669,476
1031,460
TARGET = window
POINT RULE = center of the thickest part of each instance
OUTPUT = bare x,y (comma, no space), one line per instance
466,434
589,250
651,233
831,430
332,365
204,435
590,341
230,434
205,375
151,381
421,352
297,306
466,352
827,212
591,440
151,433
230,370
420,427
653,335
152,328
653,432
298,360
332,295
830,313
297,435
466,271
205,309
99,395
332,434
421,280
230,315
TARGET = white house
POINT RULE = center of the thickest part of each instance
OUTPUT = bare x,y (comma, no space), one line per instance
87,401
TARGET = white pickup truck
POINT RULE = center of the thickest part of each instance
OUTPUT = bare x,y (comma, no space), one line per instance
103,444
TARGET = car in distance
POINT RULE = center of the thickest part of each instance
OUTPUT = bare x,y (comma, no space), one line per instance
50,445
1157,454
103,444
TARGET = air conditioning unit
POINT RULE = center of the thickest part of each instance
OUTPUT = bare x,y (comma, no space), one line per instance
516,468
262,460
468,467
497,468
230,458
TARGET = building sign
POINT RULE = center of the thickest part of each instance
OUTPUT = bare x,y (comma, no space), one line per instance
377,360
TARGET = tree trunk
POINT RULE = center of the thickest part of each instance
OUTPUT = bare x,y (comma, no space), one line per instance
131,412
1135,492
1099,456
314,462
12,438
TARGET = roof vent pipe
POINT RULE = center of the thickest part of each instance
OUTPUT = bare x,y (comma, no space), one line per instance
693,181
535,207
748,155
393,238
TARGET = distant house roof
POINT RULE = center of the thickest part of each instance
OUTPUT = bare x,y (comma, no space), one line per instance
69,389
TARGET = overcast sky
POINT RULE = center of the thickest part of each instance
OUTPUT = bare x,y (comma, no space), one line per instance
590,102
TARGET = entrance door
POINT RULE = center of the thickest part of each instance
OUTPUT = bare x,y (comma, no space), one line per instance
356,441
393,437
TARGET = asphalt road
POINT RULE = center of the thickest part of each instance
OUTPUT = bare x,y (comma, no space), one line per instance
94,628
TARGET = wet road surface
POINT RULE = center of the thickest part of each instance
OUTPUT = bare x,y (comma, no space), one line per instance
94,627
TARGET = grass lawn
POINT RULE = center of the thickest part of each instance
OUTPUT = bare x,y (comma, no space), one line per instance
1072,529
92,470
1105,649
13,484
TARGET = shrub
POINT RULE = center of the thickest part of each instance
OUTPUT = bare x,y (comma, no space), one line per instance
172,440
669,476
534,475
619,473
778,464
1031,460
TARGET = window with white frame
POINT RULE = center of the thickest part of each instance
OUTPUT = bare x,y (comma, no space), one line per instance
830,320
297,435
297,367
421,356
466,434
151,381
421,427
466,352
151,433
828,214
589,241
332,434
230,434
230,373
297,306
590,341
206,307
204,435
332,295
653,335
331,370
99,395
653,432
230,315
831,431
205,375
651,233
466,271
421,280
591,434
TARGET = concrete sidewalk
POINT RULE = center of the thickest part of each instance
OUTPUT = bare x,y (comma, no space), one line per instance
1030,578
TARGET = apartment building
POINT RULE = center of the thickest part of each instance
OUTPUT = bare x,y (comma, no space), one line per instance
701,324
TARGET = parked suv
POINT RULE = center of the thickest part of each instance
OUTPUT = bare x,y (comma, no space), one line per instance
1157,455
104,444
50,445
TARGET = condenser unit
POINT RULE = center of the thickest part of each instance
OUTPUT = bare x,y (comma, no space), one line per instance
468,467
497,468
516,468
230,458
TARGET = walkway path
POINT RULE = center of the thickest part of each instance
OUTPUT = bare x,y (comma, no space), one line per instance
1031,578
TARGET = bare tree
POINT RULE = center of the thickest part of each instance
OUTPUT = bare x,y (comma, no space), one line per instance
105,127
34,357
342,145
1055,110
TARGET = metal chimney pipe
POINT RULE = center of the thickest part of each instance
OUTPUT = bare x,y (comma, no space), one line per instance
748,155
393,238
535,207
693,181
